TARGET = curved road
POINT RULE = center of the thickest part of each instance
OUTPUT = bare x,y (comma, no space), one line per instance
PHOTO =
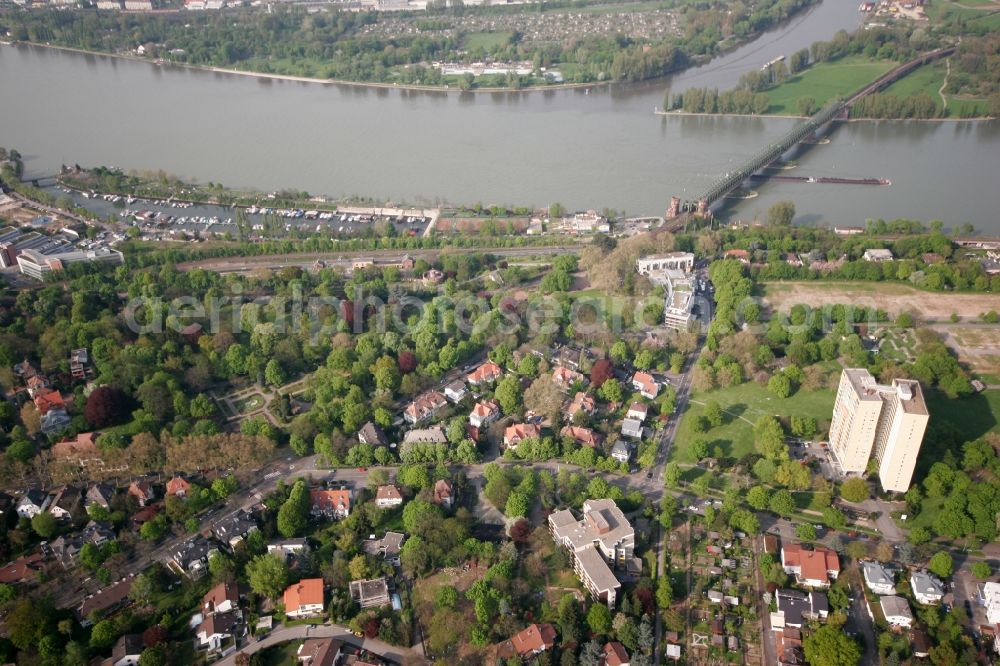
283,634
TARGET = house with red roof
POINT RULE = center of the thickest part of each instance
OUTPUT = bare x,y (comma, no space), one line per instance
616,655
514,434
444,493
530,641
484,413
330,503
581,403
304,598
487,373
581,435
564,377
424,407
48,399
178,486
740,255
644,383
812,568
387,497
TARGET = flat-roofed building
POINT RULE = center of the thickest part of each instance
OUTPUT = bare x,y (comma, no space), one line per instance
37,265
674,261
885,421
602,540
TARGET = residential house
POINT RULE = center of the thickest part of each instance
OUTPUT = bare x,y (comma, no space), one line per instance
288,547
49,399
100,494
622,451
433,276
921,642
142,491
223,598
388,496
797,608
616,655
233,529
632,428
878,255
111,598
529,642
191,557
897,611
581,435
456,391
644,383
372,435
878,578
370,593
485,412
97,532
425,406
388,547
54,420
432,435
637,411
178,486
319,652
927,589
444,493
991,599
126,651
82,451
215,630
68,500
32,503
564,378
740,255
813,568
22,569
581,403
519,432
79,364
487,373
601,540
37,384
26,370
330,503
304,598
144,515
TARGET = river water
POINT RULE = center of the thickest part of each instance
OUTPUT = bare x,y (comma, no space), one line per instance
598,148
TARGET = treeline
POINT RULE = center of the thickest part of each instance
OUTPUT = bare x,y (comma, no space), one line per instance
890,105
337,45
710,100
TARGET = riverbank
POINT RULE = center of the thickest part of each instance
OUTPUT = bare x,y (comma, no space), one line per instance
660,112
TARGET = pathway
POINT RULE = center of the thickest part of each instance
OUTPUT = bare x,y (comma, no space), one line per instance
399,655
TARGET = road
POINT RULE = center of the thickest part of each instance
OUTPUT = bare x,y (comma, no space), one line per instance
346,259
301,632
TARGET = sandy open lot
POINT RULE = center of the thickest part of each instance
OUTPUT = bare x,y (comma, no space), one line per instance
891,297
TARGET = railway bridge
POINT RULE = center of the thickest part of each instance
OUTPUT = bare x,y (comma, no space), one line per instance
808,130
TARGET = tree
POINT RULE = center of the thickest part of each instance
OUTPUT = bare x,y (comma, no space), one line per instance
806,105
293,517
44,524
599,619
981,570
107,406
103,635
941,564
780,385
544,397
601,371
268,575
508,394
781,214
782,503
153,656
611,391
358,567
274,374
672,474
805,532
830,646
854,490
713,413
758,497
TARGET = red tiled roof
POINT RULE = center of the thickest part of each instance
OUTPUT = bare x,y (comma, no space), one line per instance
615,654
646,381
388,493
307,592
814,564
533,639
565,376
581,435
425,404
50,399
442,490
486,409
20,569
178,484
487,372
331,499
515,433
84,444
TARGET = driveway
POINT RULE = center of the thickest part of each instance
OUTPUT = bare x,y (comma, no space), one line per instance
284,634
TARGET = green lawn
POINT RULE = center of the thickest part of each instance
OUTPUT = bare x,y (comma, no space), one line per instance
280,655
749,401
965,107
927,79
971,417
825,81
487,40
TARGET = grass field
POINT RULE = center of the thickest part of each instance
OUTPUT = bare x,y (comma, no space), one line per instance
746,403
927,79
487,40
971,417
825,81
892,297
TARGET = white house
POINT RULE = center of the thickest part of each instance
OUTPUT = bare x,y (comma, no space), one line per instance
215,629
632,428
878,579
637,411
927,589
991,599
878,254
484,413
621,451
456,391
897,611
32,503
387,497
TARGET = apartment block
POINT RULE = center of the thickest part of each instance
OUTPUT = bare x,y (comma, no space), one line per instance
887,422
603,540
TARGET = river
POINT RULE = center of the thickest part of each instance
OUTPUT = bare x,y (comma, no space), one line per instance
597,148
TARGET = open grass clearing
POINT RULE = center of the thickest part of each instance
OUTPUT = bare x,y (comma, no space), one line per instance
825,81
891,297
744,404
486,40
927,79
